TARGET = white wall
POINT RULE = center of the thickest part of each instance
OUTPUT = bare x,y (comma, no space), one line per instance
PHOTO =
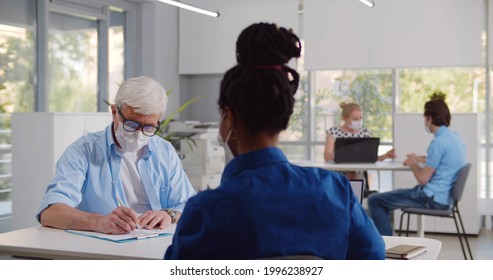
342,34
159,48
207,44
207,88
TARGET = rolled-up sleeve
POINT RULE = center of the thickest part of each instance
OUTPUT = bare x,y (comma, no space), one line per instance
67,183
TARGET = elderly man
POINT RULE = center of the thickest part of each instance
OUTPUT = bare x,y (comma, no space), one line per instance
123,177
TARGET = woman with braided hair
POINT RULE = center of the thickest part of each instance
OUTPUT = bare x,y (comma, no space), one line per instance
266,207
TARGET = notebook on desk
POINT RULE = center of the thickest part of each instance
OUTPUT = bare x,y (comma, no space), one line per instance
356,150
121,238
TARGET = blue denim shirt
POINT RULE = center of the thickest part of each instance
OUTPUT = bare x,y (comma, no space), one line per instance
87,176
447,155
266,207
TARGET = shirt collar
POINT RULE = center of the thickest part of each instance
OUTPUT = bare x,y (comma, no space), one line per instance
250,160
440,130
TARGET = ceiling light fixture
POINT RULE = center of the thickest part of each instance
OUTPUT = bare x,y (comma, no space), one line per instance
191,8
368,3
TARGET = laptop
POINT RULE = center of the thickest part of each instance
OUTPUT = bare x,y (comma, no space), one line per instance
357,186
356,150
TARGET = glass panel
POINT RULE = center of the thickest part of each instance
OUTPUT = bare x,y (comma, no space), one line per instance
73,64
465,88
16,69
293,152
298,128
318,152
17,66
116,56
372,90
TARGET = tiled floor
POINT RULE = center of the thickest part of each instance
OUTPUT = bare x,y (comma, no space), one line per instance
481,246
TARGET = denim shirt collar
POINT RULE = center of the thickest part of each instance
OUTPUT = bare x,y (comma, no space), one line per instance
254,159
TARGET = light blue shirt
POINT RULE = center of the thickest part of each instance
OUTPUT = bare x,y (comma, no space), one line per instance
267,207
447,155
87,176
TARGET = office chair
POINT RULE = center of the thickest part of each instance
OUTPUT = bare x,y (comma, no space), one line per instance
453,212
367,192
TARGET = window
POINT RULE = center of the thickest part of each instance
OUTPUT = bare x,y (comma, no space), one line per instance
75,83
17,60
72,64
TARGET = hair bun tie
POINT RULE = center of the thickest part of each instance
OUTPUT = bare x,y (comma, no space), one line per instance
270,67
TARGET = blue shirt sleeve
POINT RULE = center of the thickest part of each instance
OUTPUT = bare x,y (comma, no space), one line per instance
434,154
365,242
66,185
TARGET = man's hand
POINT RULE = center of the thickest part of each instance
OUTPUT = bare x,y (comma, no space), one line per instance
412,159
120,220
154,218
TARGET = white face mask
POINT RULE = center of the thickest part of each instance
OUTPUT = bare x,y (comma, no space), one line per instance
427,128
356,125
224,143
131,141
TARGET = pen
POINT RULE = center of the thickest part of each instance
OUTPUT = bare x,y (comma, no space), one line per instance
120,203
147,236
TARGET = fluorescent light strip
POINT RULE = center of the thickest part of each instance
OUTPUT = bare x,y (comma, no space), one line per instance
367,3
191,8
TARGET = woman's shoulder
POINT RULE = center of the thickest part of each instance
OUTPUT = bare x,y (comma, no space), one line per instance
364,132
335,131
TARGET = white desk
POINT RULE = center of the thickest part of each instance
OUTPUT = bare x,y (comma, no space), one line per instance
49,243
42,242
378,166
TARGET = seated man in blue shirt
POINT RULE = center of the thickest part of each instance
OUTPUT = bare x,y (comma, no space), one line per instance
122,177
436,172
266,207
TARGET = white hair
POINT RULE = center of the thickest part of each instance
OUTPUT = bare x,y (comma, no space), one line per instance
144,95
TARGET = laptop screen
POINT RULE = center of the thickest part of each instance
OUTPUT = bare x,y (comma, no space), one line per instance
356,150
357,186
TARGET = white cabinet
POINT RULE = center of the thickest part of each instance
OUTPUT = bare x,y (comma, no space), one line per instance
410,137
38,140
204,162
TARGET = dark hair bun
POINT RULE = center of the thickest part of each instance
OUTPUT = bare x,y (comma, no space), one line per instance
438,94
266,44
260,89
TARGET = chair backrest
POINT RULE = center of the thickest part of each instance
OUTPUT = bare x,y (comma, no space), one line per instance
460,183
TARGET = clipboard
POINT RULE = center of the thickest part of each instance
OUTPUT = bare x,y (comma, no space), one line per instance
122,238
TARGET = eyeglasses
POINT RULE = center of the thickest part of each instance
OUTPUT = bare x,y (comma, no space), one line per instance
130,125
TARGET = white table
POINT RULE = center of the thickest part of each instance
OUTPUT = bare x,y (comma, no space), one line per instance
378,166
48,243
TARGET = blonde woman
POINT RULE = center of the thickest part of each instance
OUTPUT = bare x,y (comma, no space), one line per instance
352,127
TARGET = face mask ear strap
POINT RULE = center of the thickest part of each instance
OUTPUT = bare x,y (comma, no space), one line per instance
228,136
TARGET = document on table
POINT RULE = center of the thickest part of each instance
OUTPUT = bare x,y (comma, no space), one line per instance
120,238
